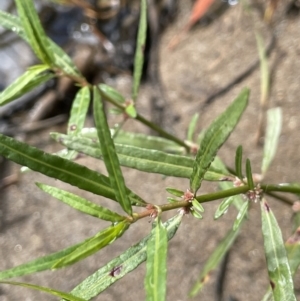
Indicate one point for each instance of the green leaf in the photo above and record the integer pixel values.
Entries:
(218, 164)
(274, 122)
(34, 31)
(110, 157)
(79, 110)
(213, 261)
(12, 22)
(140, 158)
(82, 204)
(238, 162)
(156, 273)
(60, 58)
(59, 168)
(50, 291)
(93, 244)
(238, 201)
(197, 206)
(37, 265)
(192, 126)
(171, 200)
(249, 175)
(122, 265)
(140, 49)
(33, 77)
(130, 110)
(138, 140)
(111, 94)
(241, 215)
(215, 136)
(292, 247)
(175, 192)
(78, 114)
(277, 261)
(223, 207)
(196, 214)
(63, 61)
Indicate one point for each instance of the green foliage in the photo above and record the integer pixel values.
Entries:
(156, 275)
(32, 78)
(140, 49)
(109, 153)
(277, 261)
(215, 136)
(56, 293)
(167, 155)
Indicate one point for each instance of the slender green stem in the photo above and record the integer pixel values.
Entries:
(82, 82)
(281, 187)
(223, 194)
(163, 133)
(201, 199)
(150, 124)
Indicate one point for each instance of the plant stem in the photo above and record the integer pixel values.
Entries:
(162, 132)
(224, 194)
(281, 187)
(149, 124)
(201, 199)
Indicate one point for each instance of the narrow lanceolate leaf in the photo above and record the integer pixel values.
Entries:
(140, 50)
(122, 265)
(213, 261)
(215, 136)
(140, 158)
(34, 31)
(130, 110)
(138, 140)
(238, 162)
(278, 266)
(292, 246)
(241, 215)
(79, 110)
(176, 192)
(197, 206)
(110, 157)
(223, 207)
(59, 168)
(12, 22)
(50, 291)
(156, 274)
(249, 174)
(37, 265)
(196, 214)
(26, 82)
(77, 118)
(238, 201)
(111, 94)
(82, 204)
(93, 244)
(192, 126)
(60, 58)
(274, 122)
